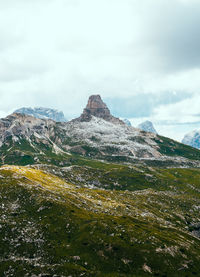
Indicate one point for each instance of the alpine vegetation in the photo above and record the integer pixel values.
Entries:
(96, 197)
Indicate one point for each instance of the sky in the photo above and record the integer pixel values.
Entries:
(142, 57)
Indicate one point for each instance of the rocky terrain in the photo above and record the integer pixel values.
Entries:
(97, 108)
(147, 126)
(96, 134)
(44, 113)
(95, 197)
(192, 139)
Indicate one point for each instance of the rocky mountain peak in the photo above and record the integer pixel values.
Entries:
(21, 126)
(43, 113)
(127, 122)
(96, 107)
(192, 139)
(147, 126)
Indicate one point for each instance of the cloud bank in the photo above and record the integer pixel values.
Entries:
(141, 56)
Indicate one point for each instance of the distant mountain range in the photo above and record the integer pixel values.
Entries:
(43, 113)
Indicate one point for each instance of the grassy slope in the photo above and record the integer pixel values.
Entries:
(51, 227)
(126, 177)
(172, 148)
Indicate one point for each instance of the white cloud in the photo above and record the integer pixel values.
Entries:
(181, 112)
(57, 52)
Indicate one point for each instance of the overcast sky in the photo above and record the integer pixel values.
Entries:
(141, 56)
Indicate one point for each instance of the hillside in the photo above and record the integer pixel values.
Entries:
(50, 227)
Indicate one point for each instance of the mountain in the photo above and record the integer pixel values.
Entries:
(98, 109)
(127, 122)
(44, 113)
(192, 139)
(95, 197)
(147, 126)
(96, 133)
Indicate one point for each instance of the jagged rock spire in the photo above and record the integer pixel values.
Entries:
(96, 107)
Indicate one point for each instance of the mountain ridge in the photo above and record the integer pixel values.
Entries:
(101, 137)
(43, 113)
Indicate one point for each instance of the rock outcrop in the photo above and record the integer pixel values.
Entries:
(96, 107)
(21, 126)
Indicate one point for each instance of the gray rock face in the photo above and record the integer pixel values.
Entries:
(107, 138)
(43, 113)
(19, 125)
(97, 108)
(192, 139)
(147, 126)
(127, 122)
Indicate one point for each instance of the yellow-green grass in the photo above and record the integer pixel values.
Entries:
(55, 228)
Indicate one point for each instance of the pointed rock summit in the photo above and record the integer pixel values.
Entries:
(96, 107)
(147, 126)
